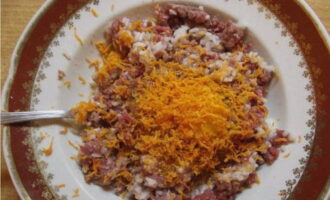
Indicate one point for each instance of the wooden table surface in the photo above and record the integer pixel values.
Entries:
(14, 17)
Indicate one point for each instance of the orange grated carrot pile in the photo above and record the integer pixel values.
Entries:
(197, 104)
(185, 120)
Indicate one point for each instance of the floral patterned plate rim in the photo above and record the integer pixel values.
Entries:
(291, 36)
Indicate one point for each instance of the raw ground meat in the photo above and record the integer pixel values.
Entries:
(175, 15)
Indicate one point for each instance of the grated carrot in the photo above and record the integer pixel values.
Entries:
(70, 26)
(286, 155)
(282, 193)
(49, 150)
(61, 185)
(67, 84)
(281, 140)
(73, 157)
(75, 193)
(73, 145)
(93, 63)
(123, 195)
(257, 179)
(82, 80)
(137, 26)
(77, 37)
(64, 131)
(93, 11)
(299, 139)
(42, 135)
(124, 40)
(66, 56)
(92, 85)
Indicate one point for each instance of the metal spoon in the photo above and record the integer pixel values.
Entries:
(15, 117)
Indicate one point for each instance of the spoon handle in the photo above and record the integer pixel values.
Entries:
(14, 117)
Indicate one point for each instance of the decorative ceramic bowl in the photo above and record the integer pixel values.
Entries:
(286, 33)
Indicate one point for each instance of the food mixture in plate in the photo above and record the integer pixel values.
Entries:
(178, 110)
